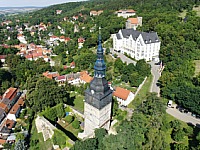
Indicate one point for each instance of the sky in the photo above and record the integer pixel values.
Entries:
(38, 3)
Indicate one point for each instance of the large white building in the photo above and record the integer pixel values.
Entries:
(137, 44)
(126, 13)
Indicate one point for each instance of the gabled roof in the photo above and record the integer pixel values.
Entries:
(10, 93)
(21, 102)
(3, 56)
(87, 78)
(121, 93)
(127, 11)
(14, 109)
(81, 40)
(63, 77)
(133, 20)
(3, 106)
(10, 123)
(2, 141)
(150, 37)
(50, 75)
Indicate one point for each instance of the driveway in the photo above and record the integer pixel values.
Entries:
(156, 75)
(154, 70)
(123, 57)
(185, 117)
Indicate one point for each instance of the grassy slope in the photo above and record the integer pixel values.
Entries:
(142, 93)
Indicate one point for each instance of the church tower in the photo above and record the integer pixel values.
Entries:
(98, 98)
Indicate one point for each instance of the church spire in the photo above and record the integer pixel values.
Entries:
(100, 66)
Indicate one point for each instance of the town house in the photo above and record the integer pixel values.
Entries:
(124, 96)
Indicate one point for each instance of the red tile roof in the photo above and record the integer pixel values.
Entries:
(28, 56)
(51, 75)
(133, 20)
(14, 109)
(72, 64)
(81, 40)
(121, 93)
(127, 11)
(21, 102)
(39, 54)
(10, 93)
(2, 141)
(10, 123)
(3, 106)
(61, 77)
(87, 78)
(3, 56)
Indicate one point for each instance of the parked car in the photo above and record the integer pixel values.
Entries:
(198, 116)
(186, 111)
(181, 109)
(194, 115)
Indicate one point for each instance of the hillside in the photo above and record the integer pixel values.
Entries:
(150, 127)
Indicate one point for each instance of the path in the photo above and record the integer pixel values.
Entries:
(156, 75)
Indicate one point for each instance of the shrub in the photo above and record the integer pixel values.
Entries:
(69, 118)
(75, 124)
(59, 138)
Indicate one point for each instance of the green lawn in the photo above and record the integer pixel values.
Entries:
(78, 101)
(69, 127)
(142, 93)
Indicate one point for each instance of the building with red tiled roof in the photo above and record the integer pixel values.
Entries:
(124, 96)
(2, 141)
(80, 42)
(133, 23)
(3, 58)
(10, 93)
(15, 110)
(10, 123)
(72, 64)
(61, 79)
(51, 75)
(95, 13)
(126, 13)
(3, 106)
(85, 78)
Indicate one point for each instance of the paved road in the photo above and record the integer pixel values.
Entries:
(183, 116)
(154, 71)
(123, 57)
(156, 75)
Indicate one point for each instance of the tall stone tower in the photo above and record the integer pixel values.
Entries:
(98, 98)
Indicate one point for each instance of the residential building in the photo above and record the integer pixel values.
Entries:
(51, 75)
(85, 78)
(80, 42)
(3, 58)
(58, 12)
(95, 13)
(124, 96)
(61, 79)
(133, 23)
(126, 13)
(137, 44)
(2, 114)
